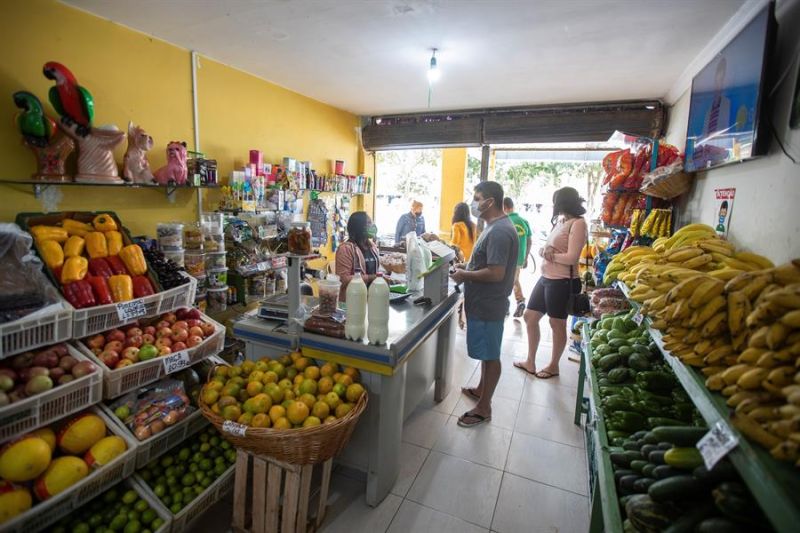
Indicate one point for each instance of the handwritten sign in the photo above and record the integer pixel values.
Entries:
(177, 361)
(716, 444)
(234, 428)
(127, 311)
(279, 262)
(638, 318)
(264, 265)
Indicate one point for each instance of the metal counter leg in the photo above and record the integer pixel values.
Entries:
(444, 358)
(386, 431)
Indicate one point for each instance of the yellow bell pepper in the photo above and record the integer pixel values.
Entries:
(52, 253)
(113, 242)
(121, 287)
(96, 245)
(49, 233)
(75, 269)
(133, 257)
(74, 246)
(74, 227)
(104, 222)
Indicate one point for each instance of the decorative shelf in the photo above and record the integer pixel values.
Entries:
(40, 186)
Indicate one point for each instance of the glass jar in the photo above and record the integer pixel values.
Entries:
(300, 238)
(192, 236)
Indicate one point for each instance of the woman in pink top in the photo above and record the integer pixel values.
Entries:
(559, 279)
(357, 252)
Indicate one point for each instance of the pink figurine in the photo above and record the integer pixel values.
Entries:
(175, 170)
(135, 166)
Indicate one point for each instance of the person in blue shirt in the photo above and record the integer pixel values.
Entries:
(411, 221)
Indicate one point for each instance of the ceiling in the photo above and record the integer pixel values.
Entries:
(370, 56)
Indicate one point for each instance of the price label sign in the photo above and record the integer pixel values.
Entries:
(264, 265)
(279, 262)
(127, 311)
(234, 428)
(716, 444)
(638, 318)
(176, 361)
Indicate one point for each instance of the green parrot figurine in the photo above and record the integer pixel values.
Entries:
(37, 128)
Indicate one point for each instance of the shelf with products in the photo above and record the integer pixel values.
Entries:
(775, 485)
(40, 186)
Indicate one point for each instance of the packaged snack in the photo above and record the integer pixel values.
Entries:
(217, 277)
(170, 235)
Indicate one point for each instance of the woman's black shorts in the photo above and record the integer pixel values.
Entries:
(550, 296)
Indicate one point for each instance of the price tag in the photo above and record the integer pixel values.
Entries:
(716, 444)
(127, 311)
(279, 262)
(176, 361)
(638, 318)
(234, 428)
(264, 265)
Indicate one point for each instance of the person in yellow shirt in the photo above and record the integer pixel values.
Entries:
(464, 230)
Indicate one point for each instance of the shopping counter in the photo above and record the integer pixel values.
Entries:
(397, 375)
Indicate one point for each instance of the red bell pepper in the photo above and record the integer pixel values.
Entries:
(99, 267)
(116, 264)
(102, 293)
(142, 286)
(79, 294)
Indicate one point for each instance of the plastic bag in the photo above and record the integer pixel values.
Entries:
(414, 263)
(154, 408)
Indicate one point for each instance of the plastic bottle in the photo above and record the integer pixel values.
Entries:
(355, 326)
(378, 311)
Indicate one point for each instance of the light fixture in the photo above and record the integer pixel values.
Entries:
(433, 71)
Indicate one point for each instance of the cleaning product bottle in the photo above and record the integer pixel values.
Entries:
(355, 326)
(378, 311)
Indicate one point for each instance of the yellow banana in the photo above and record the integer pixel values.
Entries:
(697, 262)
(767, 360)
(776, 335)
(680, 255)
(712, 247)
(711, 370)
(787, 273)
(715, 382)
(758, 284)
(739, 282)
(738, 307)
(791, 319)
(759, 338)
(764, 313)
(786, 297)
(751, 356)
(704, 292)
(703, 347)
(684, 289)
(690, 237)
(759, 260)
(732, 262)
(781, 376)
(710, 309)
(753, 430)
(718, 354)
(787, 450)
(715, 325)
(752, 378)
(725, 274)
(740, 396)
(692, 337)
(739, 342)
(732, 374)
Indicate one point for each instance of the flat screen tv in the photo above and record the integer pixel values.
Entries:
(725, 110)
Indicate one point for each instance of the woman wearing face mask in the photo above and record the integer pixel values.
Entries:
(559, 279)
(357, 252)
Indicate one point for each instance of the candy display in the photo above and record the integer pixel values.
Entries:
(300, 238)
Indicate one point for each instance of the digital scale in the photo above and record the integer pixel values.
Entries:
(276, 307)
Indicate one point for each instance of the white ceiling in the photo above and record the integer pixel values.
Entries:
(370, 56)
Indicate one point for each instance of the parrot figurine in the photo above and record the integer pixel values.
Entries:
(73, 102)
(37, 128)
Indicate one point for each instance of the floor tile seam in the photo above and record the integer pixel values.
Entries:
(446, 513)
(549, 440)
(497, 501)
(546, 484)
(469, 460)
(396, 512)
(425, 460)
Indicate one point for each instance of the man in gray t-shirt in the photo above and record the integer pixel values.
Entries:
(488, 280)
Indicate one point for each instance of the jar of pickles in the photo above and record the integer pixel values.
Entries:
(300, 238)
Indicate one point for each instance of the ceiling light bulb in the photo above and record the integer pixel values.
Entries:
(433, 71)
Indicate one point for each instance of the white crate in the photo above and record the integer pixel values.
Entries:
(102, 318)
(118, 382)
(29, 333)
(45, 513)
(157, 445)
(34, 412)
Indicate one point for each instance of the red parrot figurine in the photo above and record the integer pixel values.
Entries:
(73, 102)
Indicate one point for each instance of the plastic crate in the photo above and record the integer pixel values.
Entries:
(34, 412)
(102, 318)
(187, 516)
(45, 513)
(29, 333)
(157, 445)
(118, 382)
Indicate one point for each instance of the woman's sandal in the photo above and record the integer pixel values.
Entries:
(545, 374)
(477, 419)
(471, 393)
(521, 365)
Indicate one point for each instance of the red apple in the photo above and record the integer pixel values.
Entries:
(83, 368)
(208, 328)
(164, 332)
(66, 378)
(117, 346)
(181, 313)
(163, 324)
(133, 332)
(169, 317)
(22, 360)
(193, 341)
(136, 340)
(180, 324)
(60, 349)
(192, 313)
(67, 362)
(192, 322)
(97, 351)
(115, 335)
(164, 350)
(47, 358)
(180, 335)
(109, 358)
(163, 341)
(38, 371)
(123, 363)
(56, 373)
(96, 341)
(148, 338)
(132, 353)
(149, 330)
(197, 331)
(178, 346)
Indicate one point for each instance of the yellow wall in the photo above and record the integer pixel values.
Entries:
(454, 169)
(135, 77)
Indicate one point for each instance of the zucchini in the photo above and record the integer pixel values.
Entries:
(650, 438)
(717, 525)
(617, 343)
(625, 351)
(648, 469)
(679, 435)
(665, 446)
(684, 458)
(621, 473)
(656, 457)
(640, 434)
(607, 362)
(643, 484)
(626, 482)
(617, 434)
(616, 402)
(620, 459)
(647, 448)
(665, 471)
(638, 465)
(656, 421)
(634, 455)
(655, 381)
(638, 361)
(675, 488)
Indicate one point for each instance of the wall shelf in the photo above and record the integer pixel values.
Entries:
(40, 186)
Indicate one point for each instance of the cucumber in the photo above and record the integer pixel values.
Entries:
(638, 361)
(679, 435)
(627, 482)
(665, 471)
(684, 458)
(617, 434)
(631, 445)
(617, 375)
(722, 471)
(640, 434)
(638, 465)
(634, 455)
(647, 448)
(607, 362)
(642, 485)
(717, 525)
(650, 438)
(625, 351)
(621, 473)
(675, 488)
(665, 446)
(656, 457)
(620, 459)
(648, 470)
(659, 421)
(617, 343)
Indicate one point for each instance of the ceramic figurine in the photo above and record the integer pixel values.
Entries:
(73, 102)
(175, 170)
(40, 133)
(95, 152)
(135, 167)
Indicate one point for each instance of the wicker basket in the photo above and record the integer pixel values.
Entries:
(670, 186)
(308, 445)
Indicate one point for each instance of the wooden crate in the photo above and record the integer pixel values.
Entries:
(270, 496)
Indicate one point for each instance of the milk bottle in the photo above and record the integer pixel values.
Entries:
(378, 311)
(355, 326)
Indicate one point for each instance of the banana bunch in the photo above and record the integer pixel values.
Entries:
(627, 259)
(657, 224)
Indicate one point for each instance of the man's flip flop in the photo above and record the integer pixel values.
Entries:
(471, 393)
(518, 364)
(544, 374)
(478, 419)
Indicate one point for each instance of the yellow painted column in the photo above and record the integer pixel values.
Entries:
(454, 169)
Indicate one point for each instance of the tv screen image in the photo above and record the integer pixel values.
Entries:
(725, 105)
